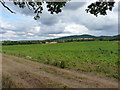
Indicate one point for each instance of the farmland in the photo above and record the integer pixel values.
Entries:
(100, 57)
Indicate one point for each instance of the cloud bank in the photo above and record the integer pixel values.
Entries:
(72, 21)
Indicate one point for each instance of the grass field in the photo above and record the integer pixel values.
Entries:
(94, 56)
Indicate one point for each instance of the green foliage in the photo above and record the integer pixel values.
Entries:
(95, 56)
(74, 38)
(100, 7)
(54, 6)
(37, 6)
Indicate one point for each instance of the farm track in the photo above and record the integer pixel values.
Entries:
(28, 74)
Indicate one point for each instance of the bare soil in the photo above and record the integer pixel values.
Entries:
(29, 74)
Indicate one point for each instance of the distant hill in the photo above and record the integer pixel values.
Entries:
(117, 36)
(75, 37)
(86, 36)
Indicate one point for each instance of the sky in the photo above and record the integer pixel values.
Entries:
(73, 20)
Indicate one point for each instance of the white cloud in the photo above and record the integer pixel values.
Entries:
(59, 35)
(37, 29)
(9, 34)
(31, 34)
(76, 29)
(6, 25)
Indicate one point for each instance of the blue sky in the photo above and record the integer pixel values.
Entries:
(72, 21)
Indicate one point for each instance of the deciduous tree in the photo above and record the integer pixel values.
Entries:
(55, 6)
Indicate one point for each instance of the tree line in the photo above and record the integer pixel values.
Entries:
(117, 38)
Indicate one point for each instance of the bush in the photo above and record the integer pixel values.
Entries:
(62, 64)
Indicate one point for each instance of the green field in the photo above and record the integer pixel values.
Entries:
(93, 56)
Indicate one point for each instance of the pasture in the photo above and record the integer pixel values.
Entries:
(100, 57)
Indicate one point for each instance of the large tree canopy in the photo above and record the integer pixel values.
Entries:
(55, 6)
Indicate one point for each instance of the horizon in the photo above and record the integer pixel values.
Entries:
(58, 38)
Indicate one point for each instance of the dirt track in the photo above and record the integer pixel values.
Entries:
(29, 74)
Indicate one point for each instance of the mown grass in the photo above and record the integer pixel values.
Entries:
(94, 56)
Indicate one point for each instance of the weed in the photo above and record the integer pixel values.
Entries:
(7, 82)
